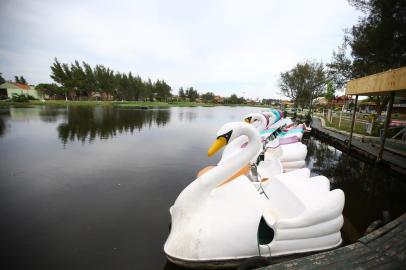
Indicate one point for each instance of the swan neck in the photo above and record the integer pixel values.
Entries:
(236, 161)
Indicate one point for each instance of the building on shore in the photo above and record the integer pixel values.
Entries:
(399, 105)
(340, 101)
(218, 99)
(7, 90)
(287, 103)
(104, 96)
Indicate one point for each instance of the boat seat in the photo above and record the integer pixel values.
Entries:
(303, 202)
(282, 201)
(269, 168)
(287, 152)
(293, 165)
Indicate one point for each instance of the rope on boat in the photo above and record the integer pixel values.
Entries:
(254, 170)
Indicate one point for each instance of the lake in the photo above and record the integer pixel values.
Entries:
(90, 188)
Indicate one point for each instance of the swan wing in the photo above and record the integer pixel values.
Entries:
(231, 217)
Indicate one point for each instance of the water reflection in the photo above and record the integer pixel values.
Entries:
(87, 124)
(50, 114)
(4, 113)
(185, 114)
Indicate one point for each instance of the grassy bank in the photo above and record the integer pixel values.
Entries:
(161, 104)
(127, 104)
(359, 128)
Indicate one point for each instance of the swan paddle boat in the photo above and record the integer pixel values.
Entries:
(286, 146)
(291, 132)
(273, 114)
(290, 151)
(268, 128)
(220, 218)
(260, 122)
(284, 122)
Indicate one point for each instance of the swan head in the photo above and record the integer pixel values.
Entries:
(258, 120)
(271, 116)
(276, 115)
(226, 134)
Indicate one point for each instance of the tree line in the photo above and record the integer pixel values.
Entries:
(17, 79)
(376, 43)
(191, 94)
(80, 80)
(20, 79)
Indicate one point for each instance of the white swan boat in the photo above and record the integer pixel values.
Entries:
(292, 155)
(218, 220)
(287, 147)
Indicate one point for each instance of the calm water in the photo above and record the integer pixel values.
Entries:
(90, 188)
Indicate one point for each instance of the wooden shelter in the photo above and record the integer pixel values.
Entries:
(391, 82)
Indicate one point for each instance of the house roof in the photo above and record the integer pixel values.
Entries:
(343, 97)
(22, 86)
(15, 85)
(320, 101)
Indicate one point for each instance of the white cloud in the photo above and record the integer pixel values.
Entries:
(231, 46)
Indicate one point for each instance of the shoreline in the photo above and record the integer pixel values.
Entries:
(123, 104)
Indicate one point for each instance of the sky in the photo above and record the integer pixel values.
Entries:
(221, 46)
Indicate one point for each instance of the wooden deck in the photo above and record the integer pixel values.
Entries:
(384, 248)
(363, 150)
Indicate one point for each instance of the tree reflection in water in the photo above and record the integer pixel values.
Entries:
(87, 124)
(369, 189)
(185, 114)
(4, 113)
(50, 113)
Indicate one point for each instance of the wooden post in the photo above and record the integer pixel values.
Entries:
(353, 121)
(341, 115)
(385, 129)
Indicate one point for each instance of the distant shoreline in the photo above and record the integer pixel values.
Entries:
(123, 104)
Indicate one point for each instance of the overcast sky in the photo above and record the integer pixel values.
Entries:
(221, 46)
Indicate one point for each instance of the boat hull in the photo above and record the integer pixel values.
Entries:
(231, 263)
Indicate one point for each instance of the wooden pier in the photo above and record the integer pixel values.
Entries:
(384, 248)
(365, 151)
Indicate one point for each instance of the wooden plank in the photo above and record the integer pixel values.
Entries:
(388, 236)
(385, 128)
(326, 258)
(356, 256)
(380, 83)
(394, 248)
(353, 122)
(383, 230)
(397, 251)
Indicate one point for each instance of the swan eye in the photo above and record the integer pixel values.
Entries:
(227, 135)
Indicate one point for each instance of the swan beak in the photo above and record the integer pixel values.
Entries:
(248, 119)
(217, 145)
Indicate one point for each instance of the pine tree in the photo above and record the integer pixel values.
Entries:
(378, 41)
(2, 80)
(22, 80)
(181, 94)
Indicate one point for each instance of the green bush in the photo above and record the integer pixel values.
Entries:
(19, 98)
(31, 97)
(308, 119)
